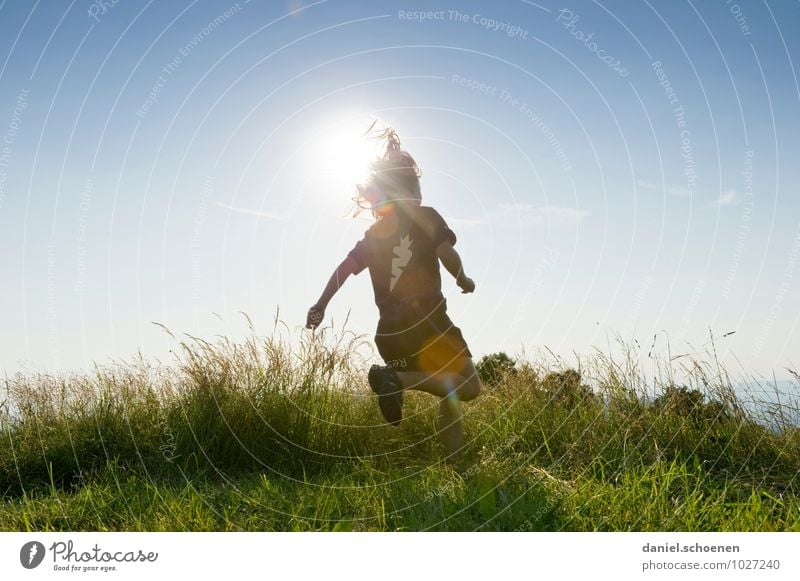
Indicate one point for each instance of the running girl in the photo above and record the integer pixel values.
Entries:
(420, 345)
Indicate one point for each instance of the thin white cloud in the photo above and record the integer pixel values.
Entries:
(530, 213)
(249, 212)
(671, 190)
(466, 222)
(729, 198)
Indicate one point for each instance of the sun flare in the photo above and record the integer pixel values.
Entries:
(346, 152)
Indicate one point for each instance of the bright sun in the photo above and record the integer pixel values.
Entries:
(345, 153)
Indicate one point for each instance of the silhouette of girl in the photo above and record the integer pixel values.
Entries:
(420, 345)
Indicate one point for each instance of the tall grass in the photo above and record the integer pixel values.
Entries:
(266, 434)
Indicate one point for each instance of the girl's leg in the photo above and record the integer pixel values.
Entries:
(451, 429)
(466, 385)
(452, 388)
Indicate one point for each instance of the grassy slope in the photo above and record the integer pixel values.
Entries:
(254, 436)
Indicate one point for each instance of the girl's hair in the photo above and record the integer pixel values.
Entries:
(393, 177)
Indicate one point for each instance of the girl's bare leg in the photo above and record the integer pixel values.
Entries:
(466, 385)
(452, 389)
(451, 428)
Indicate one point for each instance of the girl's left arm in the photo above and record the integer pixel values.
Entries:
(452, 262)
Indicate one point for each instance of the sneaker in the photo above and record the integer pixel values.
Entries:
(385, 383)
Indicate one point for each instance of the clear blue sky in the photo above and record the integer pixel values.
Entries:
(610, 168)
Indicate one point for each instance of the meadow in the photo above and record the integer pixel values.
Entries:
(267, 434)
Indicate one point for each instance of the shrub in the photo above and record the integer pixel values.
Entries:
(565, 388)
(493, 368)
(690, 403)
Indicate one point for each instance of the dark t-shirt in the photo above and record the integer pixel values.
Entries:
(401, 257)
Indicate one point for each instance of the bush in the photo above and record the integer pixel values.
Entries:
(492, 369)
(690, 403)
(565, 388)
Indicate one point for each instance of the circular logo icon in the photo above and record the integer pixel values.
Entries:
(31, 554)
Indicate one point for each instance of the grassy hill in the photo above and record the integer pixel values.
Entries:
(260, 435)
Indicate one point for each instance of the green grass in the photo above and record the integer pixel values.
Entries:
(263, 436)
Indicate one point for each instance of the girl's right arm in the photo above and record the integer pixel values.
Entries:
(317, 312)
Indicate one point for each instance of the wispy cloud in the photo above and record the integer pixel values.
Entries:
(729, 198)
(249, 212)
(671, 190)
(532, 214)
(466, 222)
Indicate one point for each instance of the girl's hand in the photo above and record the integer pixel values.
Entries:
(315, 316)
(466, 284)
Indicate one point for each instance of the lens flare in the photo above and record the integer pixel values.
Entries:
(346, 152)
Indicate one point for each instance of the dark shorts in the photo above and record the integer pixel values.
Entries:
(417, 338)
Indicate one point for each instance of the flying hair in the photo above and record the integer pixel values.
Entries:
(393, 178)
